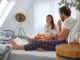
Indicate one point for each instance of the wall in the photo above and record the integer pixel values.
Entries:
(23, 6)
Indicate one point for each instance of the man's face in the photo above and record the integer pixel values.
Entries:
(62, 16)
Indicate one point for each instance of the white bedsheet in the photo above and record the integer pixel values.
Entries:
(32, 55)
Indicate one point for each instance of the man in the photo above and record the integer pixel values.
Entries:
(69, 22)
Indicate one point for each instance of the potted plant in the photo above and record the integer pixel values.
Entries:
(71, 3)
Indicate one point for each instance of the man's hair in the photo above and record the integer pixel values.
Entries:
(66, 10)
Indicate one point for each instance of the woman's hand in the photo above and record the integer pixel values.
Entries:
(51, 33)
(56, 35)
(47, 38)
(48, 24)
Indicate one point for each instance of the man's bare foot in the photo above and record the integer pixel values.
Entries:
(15, 46)
(41, 49)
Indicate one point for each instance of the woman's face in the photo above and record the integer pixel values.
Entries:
(49, 19)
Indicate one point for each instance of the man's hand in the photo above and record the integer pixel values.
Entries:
(59, 24)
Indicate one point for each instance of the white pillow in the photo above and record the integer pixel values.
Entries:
(71, 37)
(77, 37)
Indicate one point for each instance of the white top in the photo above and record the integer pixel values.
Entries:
(69, 23)
(48, 30)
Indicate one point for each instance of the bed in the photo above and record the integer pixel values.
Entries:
(31, 55)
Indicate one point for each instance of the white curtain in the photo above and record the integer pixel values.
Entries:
(41, 9)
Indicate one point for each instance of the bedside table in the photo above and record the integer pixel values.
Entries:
(68, 52)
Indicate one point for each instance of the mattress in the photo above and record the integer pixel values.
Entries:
(31, 55)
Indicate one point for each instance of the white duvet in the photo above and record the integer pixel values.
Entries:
(32, 55)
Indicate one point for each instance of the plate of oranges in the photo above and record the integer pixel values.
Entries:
(40, 36)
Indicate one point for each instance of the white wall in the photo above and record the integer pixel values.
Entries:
(23, 6)
(0, 1)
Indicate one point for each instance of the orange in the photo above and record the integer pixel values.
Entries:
(38, 34)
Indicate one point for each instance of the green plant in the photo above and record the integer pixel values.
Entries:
(71, 3)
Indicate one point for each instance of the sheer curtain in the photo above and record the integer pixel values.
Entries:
(41, 9)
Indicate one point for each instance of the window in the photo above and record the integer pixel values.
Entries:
(5, 8)
(0, 1)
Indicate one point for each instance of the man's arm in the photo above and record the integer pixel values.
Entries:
(63, 34)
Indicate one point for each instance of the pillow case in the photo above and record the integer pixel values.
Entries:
(77, 37)
(71, 37)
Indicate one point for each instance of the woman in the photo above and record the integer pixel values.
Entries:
(50, 27)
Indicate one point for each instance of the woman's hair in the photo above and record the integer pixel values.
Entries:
(52, 22)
